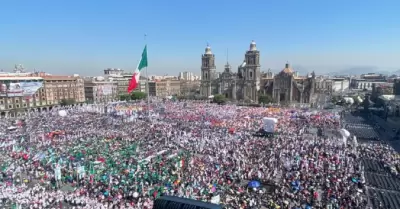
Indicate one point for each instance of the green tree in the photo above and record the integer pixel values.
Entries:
(265, 99)
(219, 98)
(124, 97)
(137, 95)
(65, 102)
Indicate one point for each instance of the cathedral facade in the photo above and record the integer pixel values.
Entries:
(248, 83)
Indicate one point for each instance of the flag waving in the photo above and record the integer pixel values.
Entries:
(136, 75)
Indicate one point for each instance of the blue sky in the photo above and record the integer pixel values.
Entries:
(86, 36)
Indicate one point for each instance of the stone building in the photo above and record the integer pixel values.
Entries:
(243, 85)
(247, 83)
(59, 88)
(167, 87)
(287, 87)
(100, 90)
(123, 79)
(18, 95)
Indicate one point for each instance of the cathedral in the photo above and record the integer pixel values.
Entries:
(248, 83)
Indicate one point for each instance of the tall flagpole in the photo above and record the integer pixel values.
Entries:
(147, 76)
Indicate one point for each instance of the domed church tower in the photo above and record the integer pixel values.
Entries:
(252, 73)
(207, 72)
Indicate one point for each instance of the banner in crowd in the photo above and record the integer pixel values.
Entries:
(269, 124)
(130, 108)
(273, 110)
(24, 88)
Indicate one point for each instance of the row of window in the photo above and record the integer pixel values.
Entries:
(11, 106)
(18, 100)
(64, 81)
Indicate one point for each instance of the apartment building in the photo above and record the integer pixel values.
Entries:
(323, 85)
(19, 93)
(188, 76)
(60, 88)
(189, 87)
(122, 79)
(167, 87)
(100, 89)
(366, 81)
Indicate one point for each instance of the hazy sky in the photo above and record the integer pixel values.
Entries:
(86, 36)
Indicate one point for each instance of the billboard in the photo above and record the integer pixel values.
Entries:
(20, 89)
(104, 90)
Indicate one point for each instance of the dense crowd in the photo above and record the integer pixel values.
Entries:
(207, 152)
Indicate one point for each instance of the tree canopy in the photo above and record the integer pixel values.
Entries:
(137, 95)
(219, 98)
(265, 99)
(124, 97)
(65, 102)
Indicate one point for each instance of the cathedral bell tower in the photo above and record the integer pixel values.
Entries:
(207, 72)
(252, 72)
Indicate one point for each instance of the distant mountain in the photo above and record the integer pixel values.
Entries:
(301, 70)
(358, 70)
(397, 72)
(342, 70)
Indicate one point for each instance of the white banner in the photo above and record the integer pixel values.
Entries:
(269, 124)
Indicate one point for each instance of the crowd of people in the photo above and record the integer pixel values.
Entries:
(87, 159)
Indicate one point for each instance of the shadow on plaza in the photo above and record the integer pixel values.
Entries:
(383, 186)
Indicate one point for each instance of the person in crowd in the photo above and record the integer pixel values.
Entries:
(85, 157)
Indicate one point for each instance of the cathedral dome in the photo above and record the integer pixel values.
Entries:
(253, 46)
(287, 69)
(208, 50)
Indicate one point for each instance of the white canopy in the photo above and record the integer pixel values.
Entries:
(62, 113)
(345, 133)
(11, 128)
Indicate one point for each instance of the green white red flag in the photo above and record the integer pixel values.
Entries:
(133, 83)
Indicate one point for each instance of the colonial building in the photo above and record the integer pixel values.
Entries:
(189, 88)
(123, 79)
(59, 88)
(248, 83)
(287, 87)
(100, 90)
(167, 87)
(21, 93)
(208, 73)
(243, 85)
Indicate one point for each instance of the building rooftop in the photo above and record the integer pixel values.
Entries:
(9, 78)
(59, 77)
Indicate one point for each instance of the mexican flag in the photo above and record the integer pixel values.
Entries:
(136, 75)
(180, 163)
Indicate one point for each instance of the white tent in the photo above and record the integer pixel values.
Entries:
(62, 113)
(345, 134)
(12, 128)
(348, 100)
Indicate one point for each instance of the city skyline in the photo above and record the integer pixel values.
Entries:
(87, 37)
